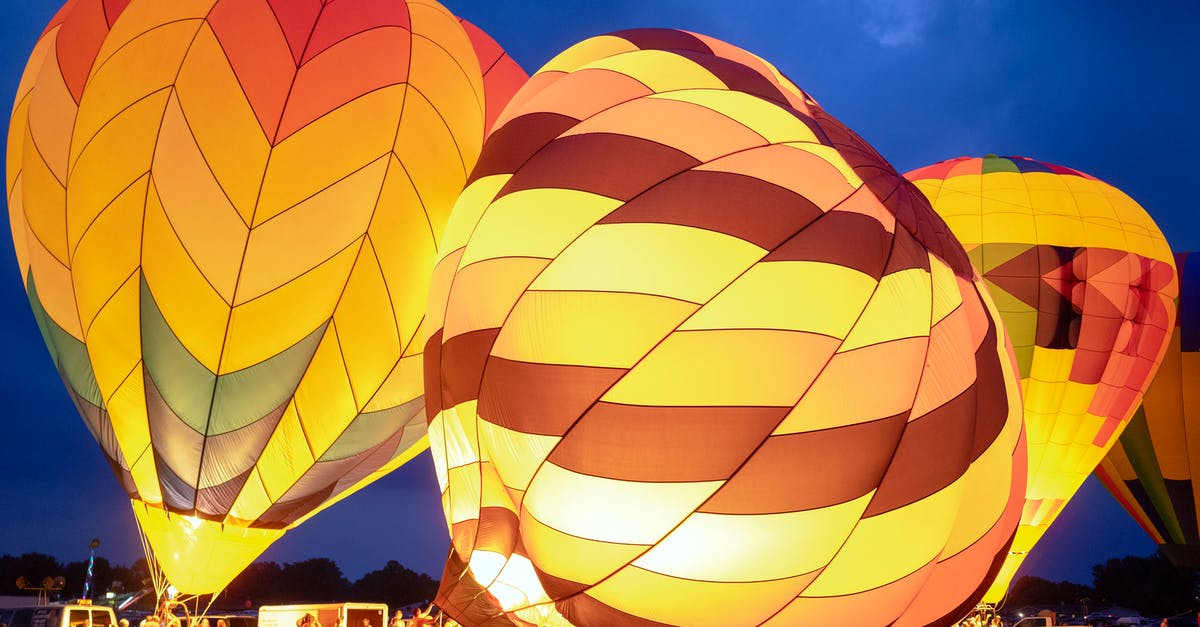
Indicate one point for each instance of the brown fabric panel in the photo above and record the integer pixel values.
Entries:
(1055, 317)
(608, 164)
(582, 609)
(843, 238)
(463, 358)
(934, 451)
(1025, 265)
(464, 600)
(283, 513)
(741, 78)
(907, 253)
(1024, 288)
(497, 530)
(544, 399)
(432, 371)
(557, 587)
(636, 443)
(513, 144)
(804, 471)
(663, 39)
(214, 503)
(742, 206)
(991, 395)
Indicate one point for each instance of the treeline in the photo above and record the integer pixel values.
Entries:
(316, 580)
(1151, 585)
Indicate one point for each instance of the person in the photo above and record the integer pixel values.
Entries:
(222, 623)
(397, 619)
(124, 622)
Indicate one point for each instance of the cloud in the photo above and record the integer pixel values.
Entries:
(898, 23)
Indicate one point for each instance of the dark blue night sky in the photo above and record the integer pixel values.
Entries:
(1104, 87)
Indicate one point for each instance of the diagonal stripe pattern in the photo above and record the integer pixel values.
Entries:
(701, 357)
(228, 213)
(1085, 283)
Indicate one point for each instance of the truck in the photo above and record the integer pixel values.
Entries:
(1035, 621)
(77, 614)
(326, 615)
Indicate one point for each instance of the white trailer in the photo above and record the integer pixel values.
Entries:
(327, 614)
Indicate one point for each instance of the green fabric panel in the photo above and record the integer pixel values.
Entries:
(185, 384)
(1140, 450)
(994, 255)
(369, 429)
(251, 393)
(998, 164)
(69, 354)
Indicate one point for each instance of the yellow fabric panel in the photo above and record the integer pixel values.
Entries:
(307, 234)
(769, 120)
(50, 116)
(200, 555)
(1078, 397)
(695, 603)
(660, 70)
(127, 411)
(223, 123)
(145, 16)
(44, 198)
(42, 49)
(948, 290)
(516, 584)
(491, 489)
(573, 558)
(1050, 365)
(121, 351)
(441, 69)
(483, 294)
(530, 223)
(738, 367)
(109, 253)
(586, 51)
(899, 308)
(603, 329)
(463, 493)
(324, 399)
(872, 557)
(1009, 227)
(781, 295)
(307, 162)
(758, 547)
(967, 227)
(53, 281)
(20, 231)
(404, 383)
(457, 436)
(665, 259)
(257, 331)
(849, 391)
(995, 593)
(286, 456)
(988, 484)
(437, 167)
(197, 314)
(468, 210)
(251, 502)
(405, 248)
(611, 510)
(366, 327)
(516, 455)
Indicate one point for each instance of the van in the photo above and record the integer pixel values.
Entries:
(62, 615)
(327, 614)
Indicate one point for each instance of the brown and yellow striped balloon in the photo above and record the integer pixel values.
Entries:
(228, 248)
(701, 357)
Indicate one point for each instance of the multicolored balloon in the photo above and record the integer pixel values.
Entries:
(1152, 468)
(1086, 284)
(700, 357)
(502, 76)
(233, 284)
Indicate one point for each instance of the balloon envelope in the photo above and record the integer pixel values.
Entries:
(1085, 283)
(701, 357)
(1153, 467)
(232, 269)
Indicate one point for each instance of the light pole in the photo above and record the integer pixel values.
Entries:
(87, 580)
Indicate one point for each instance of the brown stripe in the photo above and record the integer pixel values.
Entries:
(934, 451)
(557, 587)
(214, 502)
(544, 399)
(992, 392)
(497, 530)
(635, 443)
(513, 144)
(843, 238)
(1055, 316)
(283, 513)
(432, 371)
(804, 471)
(462, 360)
(742, 206)
(907, 253)
(608, 164)
(582, 609)
(662, 39)
(739, 77)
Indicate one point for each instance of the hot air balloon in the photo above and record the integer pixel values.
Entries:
(694, 362)
(502, 75)
(1150, 468)
(228, 250)
(1086, 284)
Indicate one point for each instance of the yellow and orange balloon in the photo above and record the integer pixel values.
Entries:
(1085, 283)
(701, 357)
(226, 213)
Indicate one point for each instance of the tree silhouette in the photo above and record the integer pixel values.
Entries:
(395, 585)
(1151, 585)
